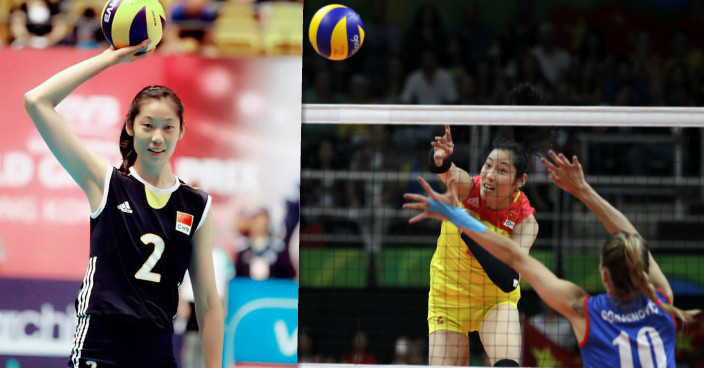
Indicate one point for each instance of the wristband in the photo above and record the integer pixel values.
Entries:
(435, 169)
(456, 215)
(659, 302)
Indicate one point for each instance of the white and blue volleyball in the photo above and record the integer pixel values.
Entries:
(129, 22)
(336, 32)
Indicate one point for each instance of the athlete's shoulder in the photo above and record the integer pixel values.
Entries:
(192, 190)
(118, 176)
(522, 204)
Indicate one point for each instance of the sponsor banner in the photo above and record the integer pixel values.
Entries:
(37, 321)
(262, 322)
(242, 145)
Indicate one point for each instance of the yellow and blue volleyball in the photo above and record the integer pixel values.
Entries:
(129, 22)
(336, 32)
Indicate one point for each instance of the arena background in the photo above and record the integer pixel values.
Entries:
(240, 86)
(365, 272)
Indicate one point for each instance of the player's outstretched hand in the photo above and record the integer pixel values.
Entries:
(421, 202)
(128, 54)
(443, 146)
(567, 175)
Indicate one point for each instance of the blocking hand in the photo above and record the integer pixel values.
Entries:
(422, 202)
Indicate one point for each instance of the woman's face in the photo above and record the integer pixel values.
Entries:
(156, 130)
(497, 179)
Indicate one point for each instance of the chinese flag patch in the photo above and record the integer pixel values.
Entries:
(184, 221)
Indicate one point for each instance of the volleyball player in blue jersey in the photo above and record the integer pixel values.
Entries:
(147, 227)
(633, 323)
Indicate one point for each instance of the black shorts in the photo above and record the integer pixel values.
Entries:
(115, 342)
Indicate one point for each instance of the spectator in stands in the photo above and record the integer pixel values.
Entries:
(592, 49)
(530, 72)
(322, 91)
(392, 81)
(306, 346)
(401, 351)
(261, 255)
(553, 60)
(678, 89)
(520, 35)
(375, 155)
(327, 192)
(377, 49)
(682, 52)
(425, 34)
(358, 353)
(189, 29)
(467, 91)
(38, 24)
(456, 61)
(624, 88)
(86, 31)
(554, 326)
(474, 35)
(360, 87)
(429, 85)
(588, 89)
(645, 64)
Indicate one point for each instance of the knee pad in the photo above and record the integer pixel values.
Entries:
(506, 363)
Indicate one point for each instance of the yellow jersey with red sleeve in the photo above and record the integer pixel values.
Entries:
(461, 294)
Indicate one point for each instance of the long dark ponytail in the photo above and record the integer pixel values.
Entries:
(630, 250)
(129, 156)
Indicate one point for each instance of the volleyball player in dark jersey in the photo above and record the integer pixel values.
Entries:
(147, 227)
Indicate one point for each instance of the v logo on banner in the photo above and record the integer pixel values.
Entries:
(288, 344)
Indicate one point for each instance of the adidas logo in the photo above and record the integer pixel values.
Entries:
(124, 207)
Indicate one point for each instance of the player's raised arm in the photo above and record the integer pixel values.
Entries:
(439, 163)
(86, 169)
(562, 295)
(569, 176)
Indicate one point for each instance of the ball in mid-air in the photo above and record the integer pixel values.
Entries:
(129, 22)
(336, 32)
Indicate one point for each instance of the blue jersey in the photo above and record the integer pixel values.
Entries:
(140, 248)
(634, 332)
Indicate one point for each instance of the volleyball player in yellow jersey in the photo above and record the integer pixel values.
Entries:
(471, 290)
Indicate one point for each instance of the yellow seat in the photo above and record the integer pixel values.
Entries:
(235, 38)
(283, 28)
(286, 11)
(236, 11)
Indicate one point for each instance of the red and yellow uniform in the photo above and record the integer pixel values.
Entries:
(461, 293)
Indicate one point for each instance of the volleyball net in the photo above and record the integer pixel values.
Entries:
(365, 272)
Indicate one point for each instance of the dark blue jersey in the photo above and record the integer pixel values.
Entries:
(635, 333)
(140, 248)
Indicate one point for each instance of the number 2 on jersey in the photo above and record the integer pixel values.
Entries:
(145, 272)
(644, 348)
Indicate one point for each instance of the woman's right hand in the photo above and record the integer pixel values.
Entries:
(443, 147)
(127, 54)
(567, 175)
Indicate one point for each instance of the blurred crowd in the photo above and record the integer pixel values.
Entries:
(452, 53)
(467, 61)
(406, 350)
(207, 27)
(354, 176)
(549, 333)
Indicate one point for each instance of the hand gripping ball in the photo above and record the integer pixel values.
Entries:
(336, 32)
(129, 22)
